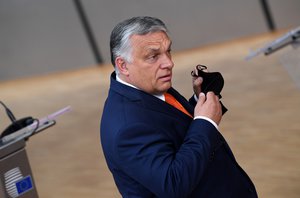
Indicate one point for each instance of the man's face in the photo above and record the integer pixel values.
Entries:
(150, 68)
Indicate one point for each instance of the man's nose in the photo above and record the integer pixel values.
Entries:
(167, 62)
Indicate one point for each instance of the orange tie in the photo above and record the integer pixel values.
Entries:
(172, 101)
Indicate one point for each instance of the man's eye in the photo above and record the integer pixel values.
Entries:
(154, 56)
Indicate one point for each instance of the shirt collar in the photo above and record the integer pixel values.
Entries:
(161, 97)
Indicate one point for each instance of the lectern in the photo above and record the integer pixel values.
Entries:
(290, 59)
(15, 172)
(16, 179)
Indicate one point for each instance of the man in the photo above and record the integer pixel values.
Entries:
(152, 148)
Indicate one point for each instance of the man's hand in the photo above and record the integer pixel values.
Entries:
(197, 81)
(209, 106)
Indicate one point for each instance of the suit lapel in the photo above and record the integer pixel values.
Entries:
(151, 102)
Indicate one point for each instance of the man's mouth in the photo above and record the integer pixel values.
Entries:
(166, 78)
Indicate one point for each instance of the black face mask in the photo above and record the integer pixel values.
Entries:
(212, 81)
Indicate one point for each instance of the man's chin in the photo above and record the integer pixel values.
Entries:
(166, 86)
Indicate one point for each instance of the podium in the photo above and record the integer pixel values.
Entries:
(290, 59)
(16, 179)
(15, 173)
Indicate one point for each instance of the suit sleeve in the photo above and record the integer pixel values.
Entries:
(150, 158)
(192, 101)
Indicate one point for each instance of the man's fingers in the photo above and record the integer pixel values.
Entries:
(212, 95)
(201, 98)
(198, 81)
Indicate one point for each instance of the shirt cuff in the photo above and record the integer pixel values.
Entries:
(208, 119)
(196, 98)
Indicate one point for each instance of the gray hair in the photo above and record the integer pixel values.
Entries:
(120, 36)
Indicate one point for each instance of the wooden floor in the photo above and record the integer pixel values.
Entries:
(262, 124)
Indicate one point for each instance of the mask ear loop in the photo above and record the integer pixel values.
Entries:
(199, 68)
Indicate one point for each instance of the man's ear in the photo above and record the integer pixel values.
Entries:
(121, 64)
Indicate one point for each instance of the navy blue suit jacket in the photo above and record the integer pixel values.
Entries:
(154, 150)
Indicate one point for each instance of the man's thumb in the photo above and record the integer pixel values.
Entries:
(201, 98)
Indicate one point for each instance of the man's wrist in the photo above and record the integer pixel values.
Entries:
(208, 119)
